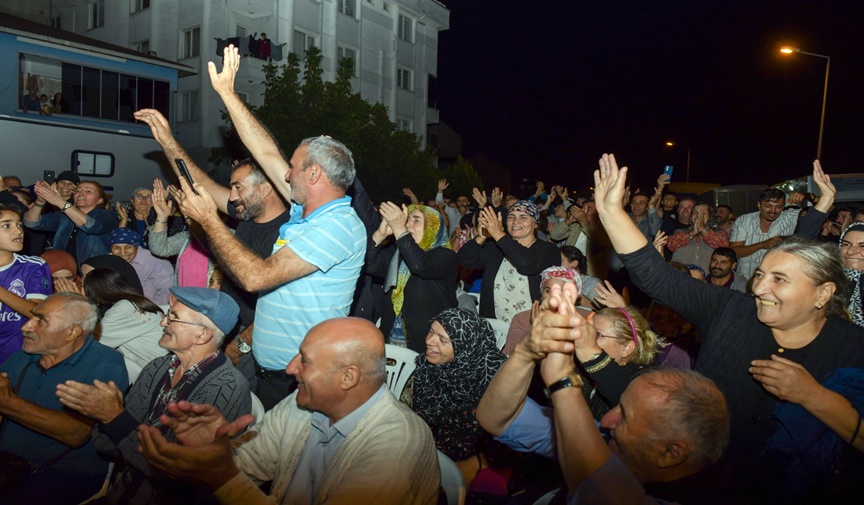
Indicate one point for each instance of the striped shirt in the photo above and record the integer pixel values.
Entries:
(747, 230)
(333, 239)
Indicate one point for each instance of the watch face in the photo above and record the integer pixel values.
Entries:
(243, 346)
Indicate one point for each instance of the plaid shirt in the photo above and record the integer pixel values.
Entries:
(168, 394)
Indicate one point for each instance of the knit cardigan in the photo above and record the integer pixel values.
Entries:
(389, 457)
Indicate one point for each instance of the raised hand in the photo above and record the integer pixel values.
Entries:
(48, 193)
(826, 188)
(200, 208)
(605, 294)
(610, 185)
(223, 82)
(121, 212)
(491, 222)
(395, 216)
(164, 208)
(66, 286)
(442, 185)
(159, 126)
(497, 197)
(410, 194)
(660, 241)
(479, 197)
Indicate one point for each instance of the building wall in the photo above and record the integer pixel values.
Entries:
(372, 32)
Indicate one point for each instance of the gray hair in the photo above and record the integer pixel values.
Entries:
(79, 311)
(371, 362)
(821, 264)
(695, 409)
(136, 190)
(218, 335)
(333, 157)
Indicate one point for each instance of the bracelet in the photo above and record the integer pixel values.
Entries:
(857, 430)
(599, 366)
(38, 205)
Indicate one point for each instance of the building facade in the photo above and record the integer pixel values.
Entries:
(394, 44)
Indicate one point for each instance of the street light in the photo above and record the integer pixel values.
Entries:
(790, 50)
(675, 144)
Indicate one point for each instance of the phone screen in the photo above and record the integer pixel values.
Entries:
(184, 172)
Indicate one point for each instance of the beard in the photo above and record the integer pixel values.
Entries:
(252, 208)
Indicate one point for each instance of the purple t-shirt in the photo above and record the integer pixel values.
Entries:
(29, 278)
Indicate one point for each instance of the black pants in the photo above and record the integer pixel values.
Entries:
(273, 386)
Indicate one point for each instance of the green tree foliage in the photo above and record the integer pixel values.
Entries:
(299, 104)
(462, 179)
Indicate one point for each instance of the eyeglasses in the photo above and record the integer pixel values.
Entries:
(149, 198)
(175, 320)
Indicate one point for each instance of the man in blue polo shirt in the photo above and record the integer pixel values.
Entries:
(58, 346)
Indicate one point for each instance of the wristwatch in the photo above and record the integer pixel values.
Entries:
(572, 380)
(66, 206)
(242, 345)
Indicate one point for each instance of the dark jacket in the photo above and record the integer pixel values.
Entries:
(430, 289)
(529, 261)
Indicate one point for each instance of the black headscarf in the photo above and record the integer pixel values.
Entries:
(121, 266)
(855, 279)
(440, 389)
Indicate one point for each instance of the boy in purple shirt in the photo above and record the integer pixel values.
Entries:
(23, 279)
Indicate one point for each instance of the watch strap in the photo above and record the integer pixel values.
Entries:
(571, 380)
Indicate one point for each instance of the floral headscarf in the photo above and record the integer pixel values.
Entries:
(434, 235)
(855, 278)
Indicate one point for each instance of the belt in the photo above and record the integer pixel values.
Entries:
(269, 374)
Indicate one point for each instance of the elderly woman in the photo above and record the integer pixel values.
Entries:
(778, 356)
(852, 256)
(419, 269)
(511, 263)
(451, 376)
(156, 275)
(62, 266)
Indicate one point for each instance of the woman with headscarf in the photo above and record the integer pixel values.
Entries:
(460, 359)
(62, 266)
(852, 256)
(115, 263)
(156, 275)
(512, 264)
(419, 270)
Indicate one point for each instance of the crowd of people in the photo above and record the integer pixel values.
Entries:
(637, 348)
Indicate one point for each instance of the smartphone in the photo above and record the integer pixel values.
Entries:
(667, 170)
(184, 172)
(48, 176)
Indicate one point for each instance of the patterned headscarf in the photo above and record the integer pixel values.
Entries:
(440, 389)
(563, 273)
(434, 235)
(855, 279)
(124, 236)
(527, 207)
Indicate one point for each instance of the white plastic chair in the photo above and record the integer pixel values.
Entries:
(400, 366)
(104, 489)
(451, 480)
(257, 409)
(546, 499)
(501, 328)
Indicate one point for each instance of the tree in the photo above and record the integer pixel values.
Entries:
(462, 179)
(299, 104)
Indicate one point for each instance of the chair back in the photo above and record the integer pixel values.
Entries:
(400, 366)
(257, 409)
(451, 480)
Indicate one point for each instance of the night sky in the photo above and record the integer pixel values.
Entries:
(544, 88)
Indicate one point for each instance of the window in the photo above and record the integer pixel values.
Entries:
(191, 43)
(406, 28)
(190, 106)
(93, 163)
(346, 7)
(405, 79)
(140, 5)
(55, 22)
(97, 14)
(94, 92)
(404, 125)
(302, 42)
(344, 52)
(142, 47)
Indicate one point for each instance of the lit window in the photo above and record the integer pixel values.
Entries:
(191, 43)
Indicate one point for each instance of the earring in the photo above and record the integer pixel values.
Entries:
(818, 305)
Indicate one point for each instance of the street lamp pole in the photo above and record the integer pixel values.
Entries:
(674, 144)
(790, 50)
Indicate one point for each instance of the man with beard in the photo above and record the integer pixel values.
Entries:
(756, 232)
(724, 218)
(723, 262)
(251, 198)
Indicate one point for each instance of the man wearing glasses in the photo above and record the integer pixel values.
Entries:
(196, 370)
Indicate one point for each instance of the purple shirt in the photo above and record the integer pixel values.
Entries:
(156, 275)
(29, 278)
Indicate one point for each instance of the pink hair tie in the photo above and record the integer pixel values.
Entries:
(632, 324)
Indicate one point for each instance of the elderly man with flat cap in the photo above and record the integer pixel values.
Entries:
(340, 438)
(196, 370)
